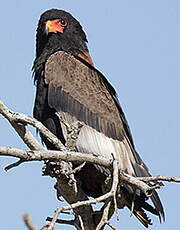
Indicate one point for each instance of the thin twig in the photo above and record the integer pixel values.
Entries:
(111, 225)
(76, 205)
(81, 222)
(45, 226)
(21, 129)
(28, 222)
(60, 221)
(115, 184)
(133, 200)
(15, 164)
(77, 169)
(159, 178)
(112, 193)
(145, 188)
(105, 215)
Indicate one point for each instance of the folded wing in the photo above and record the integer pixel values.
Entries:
(79, 92)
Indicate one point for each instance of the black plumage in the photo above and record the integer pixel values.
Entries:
(70, 87)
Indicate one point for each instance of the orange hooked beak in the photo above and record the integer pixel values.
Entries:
(53, 26)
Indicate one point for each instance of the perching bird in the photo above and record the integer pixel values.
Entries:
(69, 89)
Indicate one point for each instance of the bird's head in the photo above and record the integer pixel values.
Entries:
(59, 30)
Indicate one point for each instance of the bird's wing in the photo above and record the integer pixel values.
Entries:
(79, 92)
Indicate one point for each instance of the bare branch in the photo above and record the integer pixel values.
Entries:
(72, 192)
(15, 164)
(19, 122)
(146, 189)
(45, 226)
(138, 182)
(21, 129)
(28, 222)
(29, 155)
(112, 193)
(105, 215)
(78, 168)
(111, 226)
(159, 178)
(70, 222)
(115, 183)
(31, 142)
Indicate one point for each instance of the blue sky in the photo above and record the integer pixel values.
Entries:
(136, 44)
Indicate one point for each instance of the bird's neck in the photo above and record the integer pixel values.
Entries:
(54, 43)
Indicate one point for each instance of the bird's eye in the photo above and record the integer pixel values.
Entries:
(63, 22)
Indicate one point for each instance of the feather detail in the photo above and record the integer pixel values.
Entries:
(70, 89)
(92, 141)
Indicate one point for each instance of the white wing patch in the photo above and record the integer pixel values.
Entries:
(94, 142)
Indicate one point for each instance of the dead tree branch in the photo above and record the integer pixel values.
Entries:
(33, 155)
(28, 222)
(67, 191)
(29, 155)
(159, 178)
(112, 193)
(19, 122)
(61, 162)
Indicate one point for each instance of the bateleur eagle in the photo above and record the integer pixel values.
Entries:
(69, 89)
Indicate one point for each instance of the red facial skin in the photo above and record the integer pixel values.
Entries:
(54, 26)
(58, 25)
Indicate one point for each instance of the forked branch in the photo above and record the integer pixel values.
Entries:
(71, 192)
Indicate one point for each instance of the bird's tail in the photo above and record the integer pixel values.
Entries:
(134, 166)
(137, 205)
(142, 217)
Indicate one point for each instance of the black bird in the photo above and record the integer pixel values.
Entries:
(71, 88)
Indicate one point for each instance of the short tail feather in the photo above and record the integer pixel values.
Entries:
(140, 206)
(142, 217)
